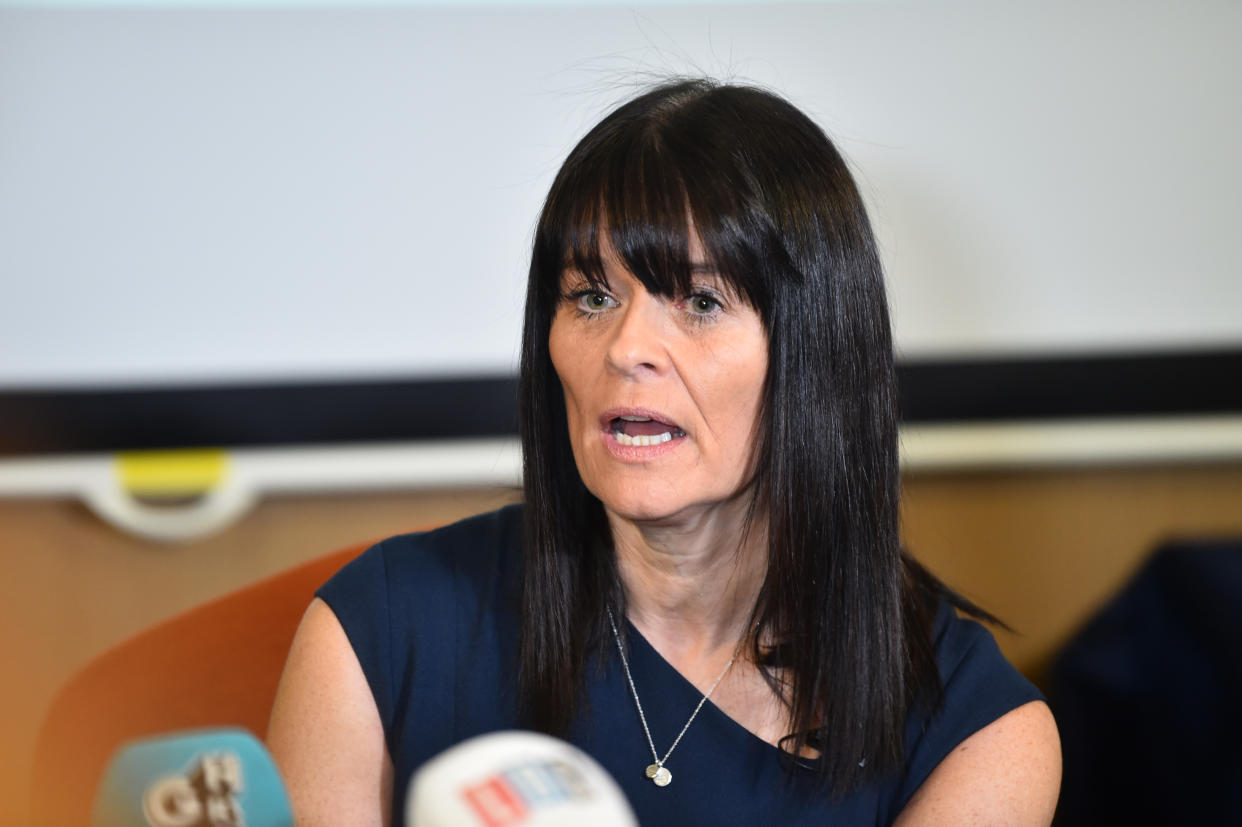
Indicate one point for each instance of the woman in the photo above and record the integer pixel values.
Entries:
(704, 588)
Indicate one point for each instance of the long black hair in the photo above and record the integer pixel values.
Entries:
(782, 222)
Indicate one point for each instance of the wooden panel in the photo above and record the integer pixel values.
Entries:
(1042, 549)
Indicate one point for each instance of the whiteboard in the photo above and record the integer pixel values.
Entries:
(225, 193)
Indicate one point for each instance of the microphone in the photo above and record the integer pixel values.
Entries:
(204, 778)
(507, 779)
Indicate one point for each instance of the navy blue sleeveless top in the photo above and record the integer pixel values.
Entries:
(433, 619)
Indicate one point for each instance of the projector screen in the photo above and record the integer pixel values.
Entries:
(267, 198)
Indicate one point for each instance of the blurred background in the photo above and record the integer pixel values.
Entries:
(262, 268)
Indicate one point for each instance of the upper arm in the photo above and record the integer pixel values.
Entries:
(1007, 773)
(325, 731)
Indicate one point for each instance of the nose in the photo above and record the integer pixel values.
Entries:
(638, 346)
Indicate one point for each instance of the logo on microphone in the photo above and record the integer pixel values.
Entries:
(509, 797)
(203, 796)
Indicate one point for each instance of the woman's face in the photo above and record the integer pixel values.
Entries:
(662, 394)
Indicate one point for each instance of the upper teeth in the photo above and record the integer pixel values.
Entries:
(635, 418)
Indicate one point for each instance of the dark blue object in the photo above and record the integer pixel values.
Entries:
(1148, 696)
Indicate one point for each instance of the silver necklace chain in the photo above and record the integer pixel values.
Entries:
(657, 772)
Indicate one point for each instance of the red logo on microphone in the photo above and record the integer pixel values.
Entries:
(510, 797)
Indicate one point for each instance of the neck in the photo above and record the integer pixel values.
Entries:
(691, 584)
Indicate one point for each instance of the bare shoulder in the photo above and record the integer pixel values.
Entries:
(325, 731)
(1008, 773)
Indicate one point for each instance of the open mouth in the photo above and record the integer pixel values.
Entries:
(641, 430)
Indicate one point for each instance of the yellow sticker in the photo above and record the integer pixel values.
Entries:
(182, 473)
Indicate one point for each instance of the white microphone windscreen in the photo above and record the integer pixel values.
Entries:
(507, 779)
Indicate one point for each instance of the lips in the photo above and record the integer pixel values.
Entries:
(640, 428)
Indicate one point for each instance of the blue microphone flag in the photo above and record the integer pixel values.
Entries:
(205, 778)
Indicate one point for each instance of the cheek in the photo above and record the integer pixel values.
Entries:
(745, 379)
(561, 350)
(556, 336)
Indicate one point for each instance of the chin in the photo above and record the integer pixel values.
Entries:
(655, 510)
(638, 509)
(637, 504)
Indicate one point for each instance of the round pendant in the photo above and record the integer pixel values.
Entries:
(651, 770)
(662, 777)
